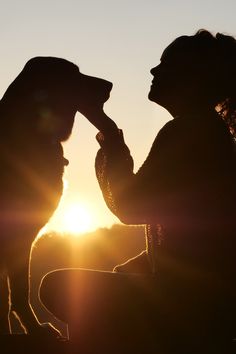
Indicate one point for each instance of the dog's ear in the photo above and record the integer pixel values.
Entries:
(40, 95)
(39, 77)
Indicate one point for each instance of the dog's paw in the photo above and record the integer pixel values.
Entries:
(49, 329)
(46, 330)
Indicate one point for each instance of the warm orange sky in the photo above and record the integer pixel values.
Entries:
(118, 40)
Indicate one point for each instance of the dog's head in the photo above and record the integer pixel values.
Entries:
(47, 94)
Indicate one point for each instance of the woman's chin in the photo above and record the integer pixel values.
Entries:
(157, 96)
(151, 96)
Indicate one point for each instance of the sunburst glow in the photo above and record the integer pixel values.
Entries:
(74, 218)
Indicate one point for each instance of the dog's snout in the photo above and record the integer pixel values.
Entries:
(93, 88)
(96, 83)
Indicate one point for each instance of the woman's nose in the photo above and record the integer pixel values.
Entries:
(154, 70)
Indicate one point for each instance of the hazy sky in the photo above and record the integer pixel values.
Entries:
(116, 39)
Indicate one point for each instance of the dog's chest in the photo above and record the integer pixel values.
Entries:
(32, 175)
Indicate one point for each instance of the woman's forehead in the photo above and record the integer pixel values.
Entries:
(179, 46)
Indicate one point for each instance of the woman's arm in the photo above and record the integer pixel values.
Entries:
(132, 197)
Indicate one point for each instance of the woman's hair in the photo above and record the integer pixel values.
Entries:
(218, 55)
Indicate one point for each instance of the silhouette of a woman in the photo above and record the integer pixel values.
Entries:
(187, 183)
(185, 190)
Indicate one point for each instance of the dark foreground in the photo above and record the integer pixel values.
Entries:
(10, 344)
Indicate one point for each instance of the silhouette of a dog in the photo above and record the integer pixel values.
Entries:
(36, 114)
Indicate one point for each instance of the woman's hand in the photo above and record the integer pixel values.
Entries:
(101, 121)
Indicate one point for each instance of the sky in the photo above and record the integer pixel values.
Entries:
(120, 40)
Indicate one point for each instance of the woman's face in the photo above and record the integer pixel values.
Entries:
(176, 81)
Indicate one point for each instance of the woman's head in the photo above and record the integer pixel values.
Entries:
(196, 73)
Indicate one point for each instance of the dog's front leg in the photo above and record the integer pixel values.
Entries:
(19, 283)
(18, 271)
(5, 326)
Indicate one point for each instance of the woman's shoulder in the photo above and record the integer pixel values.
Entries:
(174, 130)
(193, 125)
(198, 134)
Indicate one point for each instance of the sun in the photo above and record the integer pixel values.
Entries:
(74, 218)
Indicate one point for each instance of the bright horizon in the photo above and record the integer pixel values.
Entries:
(120, 41)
